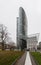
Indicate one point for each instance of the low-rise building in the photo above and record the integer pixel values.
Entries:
(32, 42)
(9, 46)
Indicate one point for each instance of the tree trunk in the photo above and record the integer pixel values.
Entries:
(3, 46)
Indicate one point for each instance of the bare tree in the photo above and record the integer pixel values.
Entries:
(3, 34)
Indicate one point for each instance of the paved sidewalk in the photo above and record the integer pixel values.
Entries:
(21, 61)
(28, 60)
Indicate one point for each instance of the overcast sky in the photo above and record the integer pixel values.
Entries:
(9, 10)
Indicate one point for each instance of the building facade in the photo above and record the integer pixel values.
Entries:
(21, 29)
(32, 42)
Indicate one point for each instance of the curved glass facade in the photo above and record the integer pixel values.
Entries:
(21, 29)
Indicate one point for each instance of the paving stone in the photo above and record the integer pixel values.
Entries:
(21, 61)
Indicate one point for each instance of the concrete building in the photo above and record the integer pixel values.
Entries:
(21, 29)
(32, 42)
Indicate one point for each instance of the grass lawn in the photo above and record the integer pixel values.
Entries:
(37, 57)
(8, 57)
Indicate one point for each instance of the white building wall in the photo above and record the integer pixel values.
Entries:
(32, 43)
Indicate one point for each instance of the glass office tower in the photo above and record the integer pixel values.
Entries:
(21, 29)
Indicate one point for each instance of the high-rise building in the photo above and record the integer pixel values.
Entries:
(21, 29)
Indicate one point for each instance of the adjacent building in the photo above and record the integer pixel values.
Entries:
(32, 42)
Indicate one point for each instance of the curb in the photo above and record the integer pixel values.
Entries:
(36, 63)
(15, 61)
